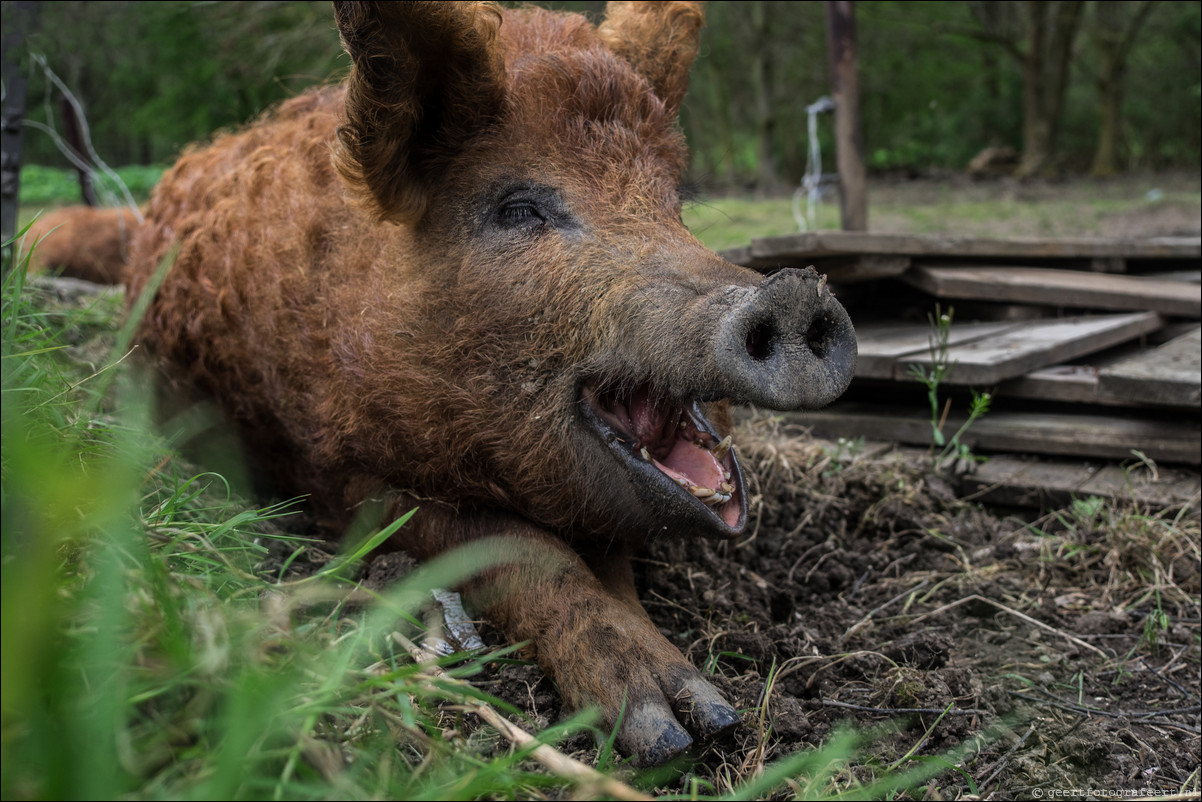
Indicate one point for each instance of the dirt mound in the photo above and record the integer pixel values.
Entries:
(1034, 656)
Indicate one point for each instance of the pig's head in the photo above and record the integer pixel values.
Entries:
(582, 342)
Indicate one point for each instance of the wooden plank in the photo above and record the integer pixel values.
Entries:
(1162, 439)
(830, 243)
(795, 249)
(1170, 374)
(1187, 276)
(1024, 347)
(742, 256)
(863, 268)
(1165, 376)
(882, 345)
(1027, 482)
(1049, 286)
(1072, 384)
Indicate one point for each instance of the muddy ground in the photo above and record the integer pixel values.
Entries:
(1041, 655)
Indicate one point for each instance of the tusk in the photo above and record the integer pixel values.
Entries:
(722, 449)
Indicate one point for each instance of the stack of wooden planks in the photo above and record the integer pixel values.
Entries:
(1089, 348)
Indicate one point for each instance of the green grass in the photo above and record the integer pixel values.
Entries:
(731, 222)
(151, 647)
(53, 186)
(929, 207)
(1126, 207)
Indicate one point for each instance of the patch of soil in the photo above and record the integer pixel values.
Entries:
(1041, 657)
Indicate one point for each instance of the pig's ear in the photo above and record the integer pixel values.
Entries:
(659, 39)
(425, 77)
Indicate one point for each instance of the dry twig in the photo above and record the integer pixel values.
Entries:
(968, 711)
(552, 759)
(1017, 614)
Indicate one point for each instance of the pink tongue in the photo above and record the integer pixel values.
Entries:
(687, 462)
(693, 464)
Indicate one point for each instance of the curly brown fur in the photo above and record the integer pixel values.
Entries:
(447, 280)
(83, 242)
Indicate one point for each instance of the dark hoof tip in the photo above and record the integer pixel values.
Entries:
(704, 710)
(717, 721)
(652, 736)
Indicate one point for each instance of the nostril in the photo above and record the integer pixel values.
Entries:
(761, 341)
(818, 337)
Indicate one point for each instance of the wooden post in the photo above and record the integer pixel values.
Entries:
(72, 132)
(845, 90)
(11, 129)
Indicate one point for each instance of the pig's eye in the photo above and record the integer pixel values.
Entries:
(529, 208)
(519, 214)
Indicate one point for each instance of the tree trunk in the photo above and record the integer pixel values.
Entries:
(845, 91)
(1112, 41)
(1110, 104)
(73, 134)
(765, 113)
(1036, 125)
(724, 151)
(12, 120)
(1051, 31)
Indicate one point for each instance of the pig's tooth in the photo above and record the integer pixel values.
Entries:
(701, 492)
(645, 453)
(727, 488)
(722, 449)
(717, 498)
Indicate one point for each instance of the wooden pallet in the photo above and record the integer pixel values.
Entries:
(854, 256)
(1052, 433)
(1090, 350)
(984, 354)
(1064, 288)
(1168, 376)
(1048, 484)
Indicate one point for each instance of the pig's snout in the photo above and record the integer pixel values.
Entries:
(787, 344)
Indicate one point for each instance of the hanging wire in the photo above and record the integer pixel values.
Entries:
(96, 166)
(811, 182)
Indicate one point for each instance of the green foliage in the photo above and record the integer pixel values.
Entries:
(156, 76)
(931, 97)
(842, 453)
(951, 449)
(1157, 626)
(936, 87)
(53, 186)
(48, 185)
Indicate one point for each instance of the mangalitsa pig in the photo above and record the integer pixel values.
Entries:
(460, 281)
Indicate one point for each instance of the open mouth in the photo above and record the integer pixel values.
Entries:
(674, 449)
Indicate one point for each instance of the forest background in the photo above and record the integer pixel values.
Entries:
(1072, 87)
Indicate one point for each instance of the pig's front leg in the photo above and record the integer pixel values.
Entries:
(591, 636)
